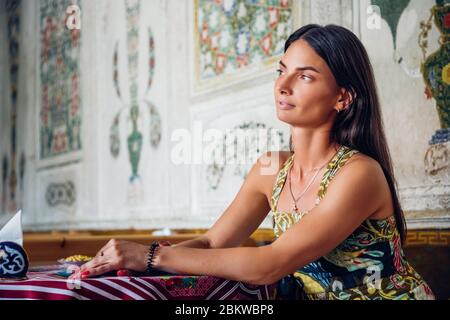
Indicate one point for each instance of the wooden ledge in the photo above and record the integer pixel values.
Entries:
(44, 248)
(47, 248)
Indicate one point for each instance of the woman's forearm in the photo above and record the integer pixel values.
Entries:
(200, 242)
(253, 265)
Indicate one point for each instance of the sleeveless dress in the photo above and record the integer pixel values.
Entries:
(369, 264)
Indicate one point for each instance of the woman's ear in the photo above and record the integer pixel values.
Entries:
(347, 98)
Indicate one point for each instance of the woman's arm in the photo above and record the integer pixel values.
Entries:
(236, 224)
(250, 206)
(246, 264)
(246, 212)
(201, 242)
(353, 195)
(357, 191)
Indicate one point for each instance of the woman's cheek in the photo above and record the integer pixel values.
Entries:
(319, 94)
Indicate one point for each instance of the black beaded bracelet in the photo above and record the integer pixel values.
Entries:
(150, 256)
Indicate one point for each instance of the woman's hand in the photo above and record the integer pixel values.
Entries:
(115, 255)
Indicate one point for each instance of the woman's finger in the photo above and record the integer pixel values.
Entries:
(86, 273)
(76, 273)
(109, 257)
(93, 263)
(98, 270)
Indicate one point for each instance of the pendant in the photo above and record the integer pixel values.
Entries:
(294, 207)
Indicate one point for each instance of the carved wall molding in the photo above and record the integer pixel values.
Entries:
(427, 197)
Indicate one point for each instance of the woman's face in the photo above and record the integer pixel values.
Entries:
(306, 92)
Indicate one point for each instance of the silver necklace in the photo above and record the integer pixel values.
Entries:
(294, 203)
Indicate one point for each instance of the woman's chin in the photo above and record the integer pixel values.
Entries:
(285, 116)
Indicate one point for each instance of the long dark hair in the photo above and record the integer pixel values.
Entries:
(360, 125)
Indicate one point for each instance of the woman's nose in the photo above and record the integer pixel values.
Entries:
(285, 91)
(283, 87)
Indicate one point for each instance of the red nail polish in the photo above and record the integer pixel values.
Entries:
(85, 273)
(123, 273)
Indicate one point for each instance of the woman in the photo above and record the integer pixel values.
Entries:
(340, 236)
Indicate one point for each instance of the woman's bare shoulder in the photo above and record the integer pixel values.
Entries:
(375, 179)
(362, 161)
(363, 173)
(363, 165)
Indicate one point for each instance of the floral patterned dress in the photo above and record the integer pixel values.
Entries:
(368, 264)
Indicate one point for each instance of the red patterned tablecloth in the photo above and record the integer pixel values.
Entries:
(49, 285)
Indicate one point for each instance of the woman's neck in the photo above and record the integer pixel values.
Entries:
(312, 151)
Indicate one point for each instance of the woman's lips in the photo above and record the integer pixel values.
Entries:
(283, 105)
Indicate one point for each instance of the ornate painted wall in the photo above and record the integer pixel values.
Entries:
(409, 59)
(10, 164)
(233, 34)
(60, 113)
(134, 99)
(100, 105)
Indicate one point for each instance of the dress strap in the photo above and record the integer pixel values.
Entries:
(344, 154)
(281, 179)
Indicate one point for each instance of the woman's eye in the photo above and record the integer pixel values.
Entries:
(305, 77)
(279, 71)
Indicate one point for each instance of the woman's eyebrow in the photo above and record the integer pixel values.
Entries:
(300, 68)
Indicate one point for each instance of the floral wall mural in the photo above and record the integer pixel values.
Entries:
(427, 60)
(391, 12)
(12, 170)
(138, 103)
(243, 142)
(60, 114)
(134, 63)
(436, 74)
(233, 35)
